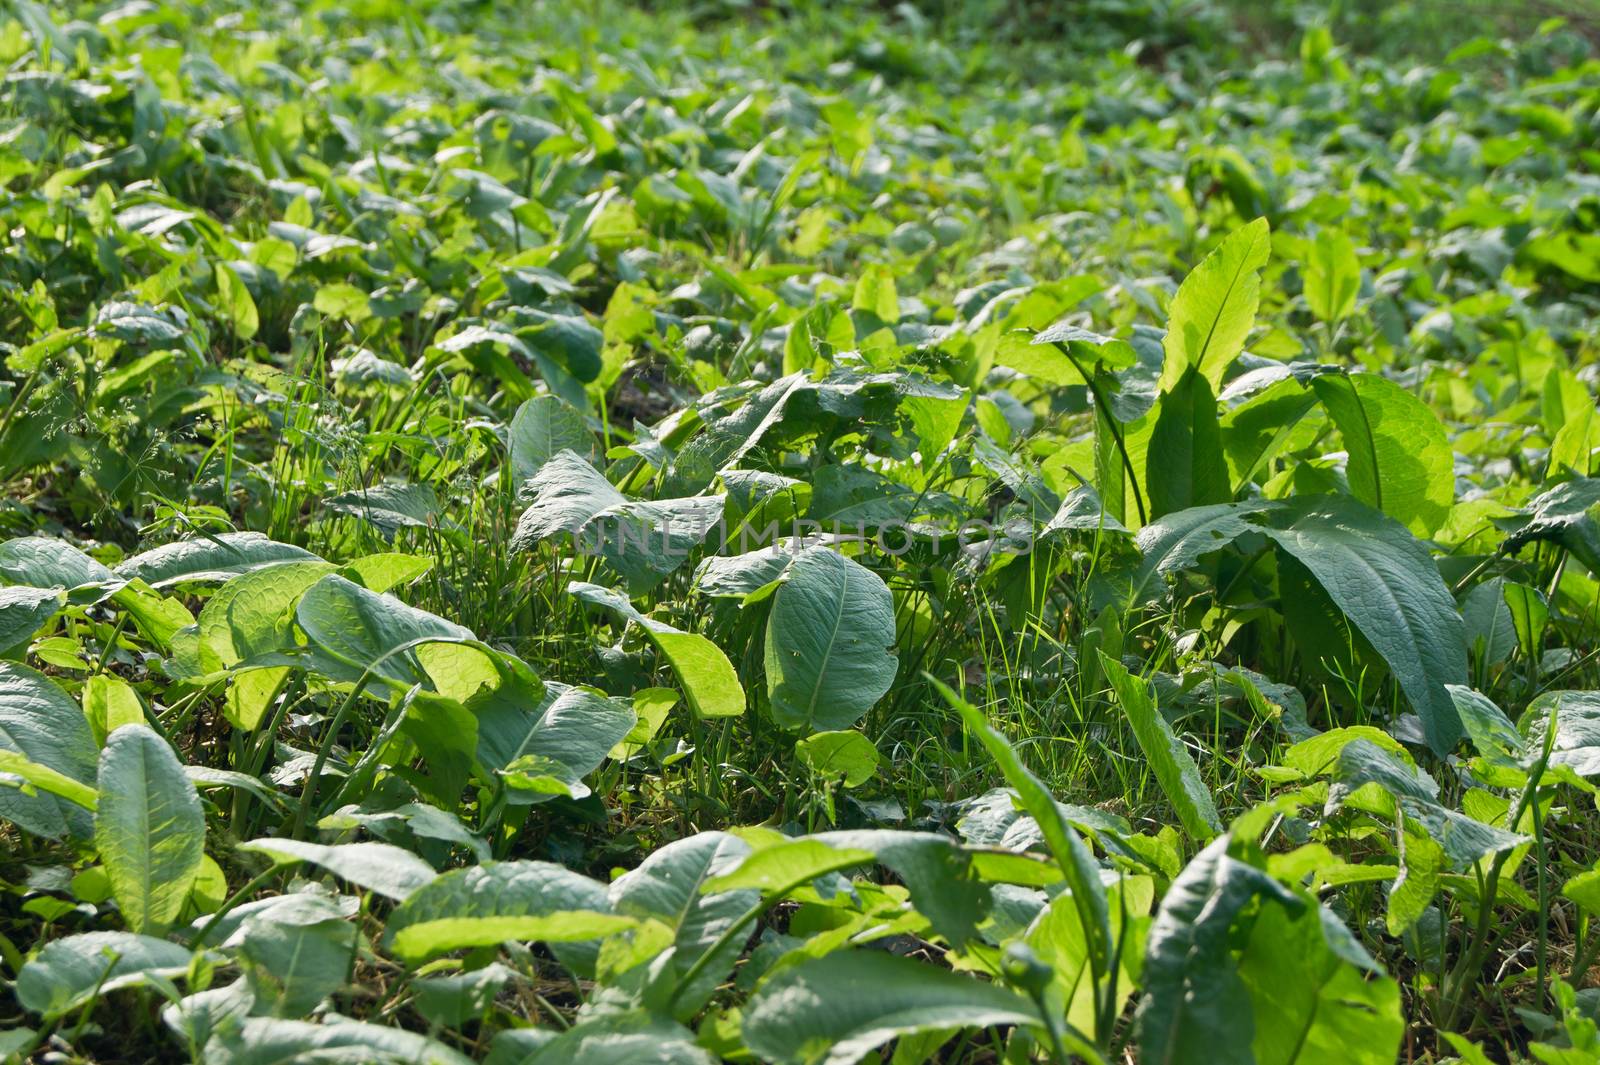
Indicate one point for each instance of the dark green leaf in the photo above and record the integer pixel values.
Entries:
(828, 639)
(1195, 1007)
(1185, 464)
(41, 723)
(70, 971)
(837, 1009)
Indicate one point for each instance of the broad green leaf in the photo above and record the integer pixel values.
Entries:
(364, 368)
(412, 821)
(1386, 583)
(1265, 425)
(1575, 443)
(1374, 571)
(1195, 1008)
(253, 614)
(736, 576)
(642, 540)
(291, 965)
(210, 888)
(650, 709)
(995, 820)
(611, 1039)
(708, 678)
(236, 300)
(1271, 701)
(24, 611)
(343, 300)
(1082, 510)
(1319, 754)
(385, 570)
(1400, 460)
(109, 702)
(1530, 612)
(726, 439)
(1185, 465)
(850, 498)
(672, 886)
(1057, 937)
(30, 357)
(495, 697)
(1416, 885)
(568, 342)
(1464, 839)
(206, 778)
(1490, 628)
(485, 905)
(848, 757)
(1332, 275)
(800, 354)
(1584, 889)
(1215, 307)
(41, 723)
(1563, 400)
(1315, 994)
(452, 1001)
(788, 864)
(756, 495)
(309, 906)
(354, 631)
(569, 732)
(1017, 474)
(1565, 515)
(1576, 743)
(388, 870)
(159, 617)
(250, 694)
(43, 778)
(1043, 358)
(70, 971)
(278, 1041)
(210, 558)
(43, 562)
(837, 1009)
(827, 645)
(1491, 732)
(136, 323)
(1172, 765)
(875, 294)
(392, 506)
(935, 422)
(542, 428)
(1177, 541)
(941, 876)
(149, 828)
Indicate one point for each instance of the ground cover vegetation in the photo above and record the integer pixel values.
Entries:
(798, 534)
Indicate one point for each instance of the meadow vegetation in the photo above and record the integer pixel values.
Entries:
(798, 533)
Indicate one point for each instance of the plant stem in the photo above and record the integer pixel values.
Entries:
(233, 902)
(308, 793)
